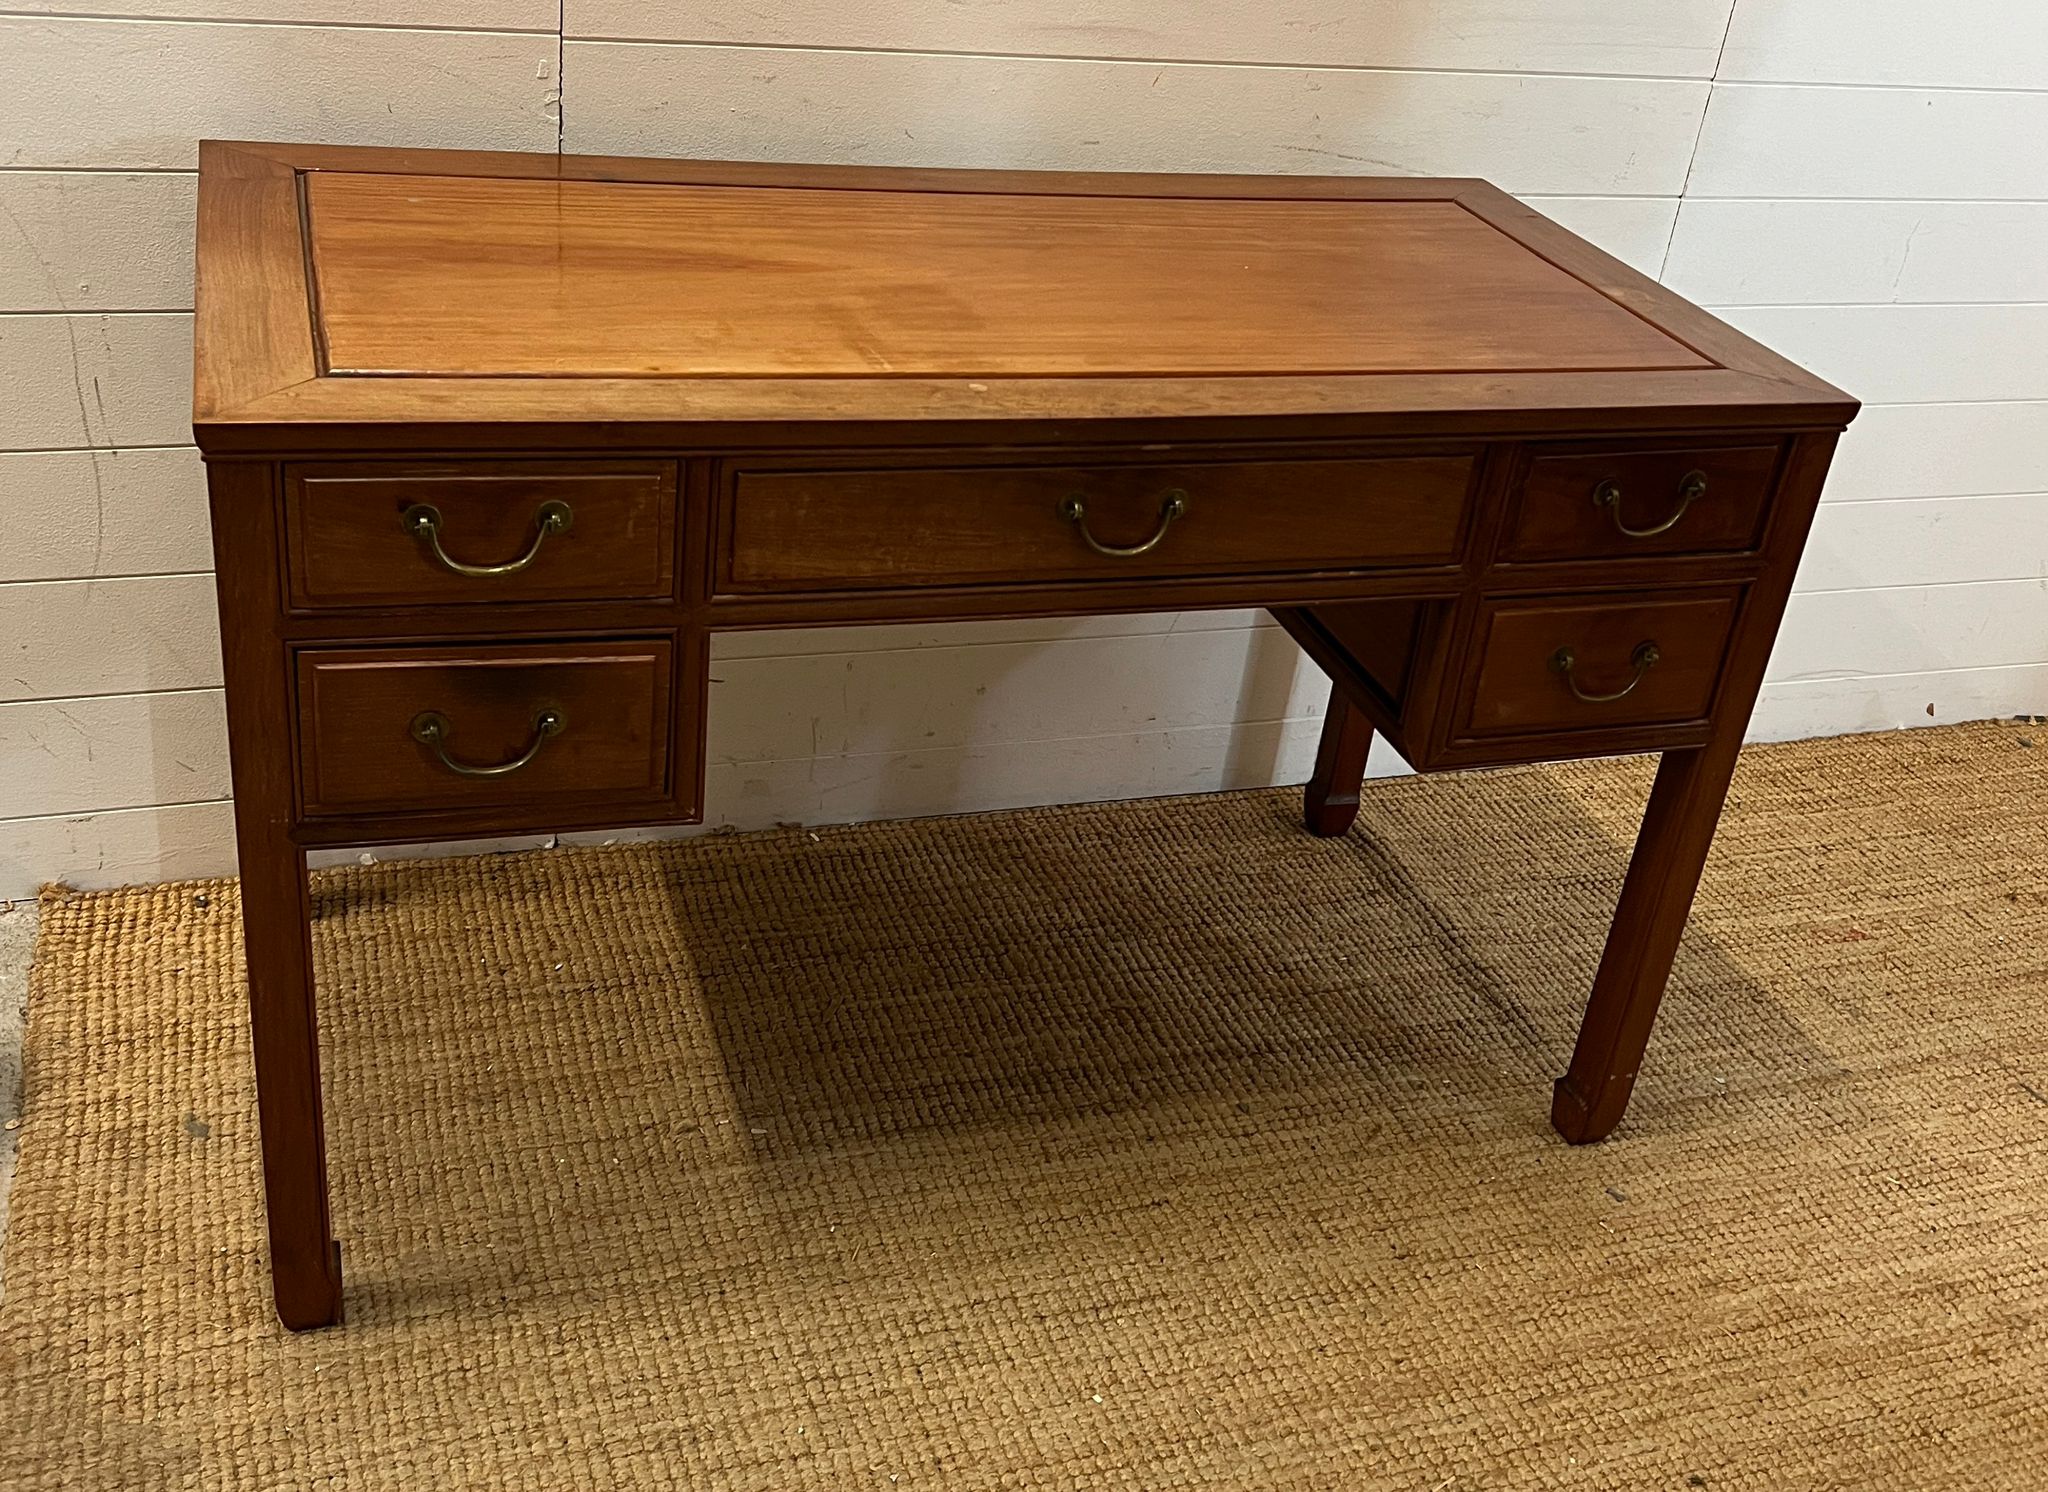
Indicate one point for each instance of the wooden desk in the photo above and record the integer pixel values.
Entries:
(496, 442)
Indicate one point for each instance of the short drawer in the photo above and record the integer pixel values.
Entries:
(380, 534)
(1577, 664)
(830, 529)
(526, 726)
(1586, 503)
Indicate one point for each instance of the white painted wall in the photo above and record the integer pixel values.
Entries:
(1863, 183)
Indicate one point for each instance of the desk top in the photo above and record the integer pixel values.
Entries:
(446, 297)
(414, 275)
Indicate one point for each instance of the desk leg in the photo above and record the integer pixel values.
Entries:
(1330, 801)
(305, 1261)
(1671, 851)
(305, 1266)
(1678, 829)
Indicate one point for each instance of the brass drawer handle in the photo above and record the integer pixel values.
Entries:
(423, 521)
(1075, 511)
(431, 729)
(1691, 488)
(1644, 658)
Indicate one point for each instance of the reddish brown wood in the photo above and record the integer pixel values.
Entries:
(508, 416)
(1630, 287)
(1678, 830)
(305, 1262)
(253, 326)
(357, 707)
(414, 275)
(1556, 517)
(1380, 637)
(1434, 752)
(1330, 800)
(1671, 851)
(1517, 686)
(925, 526)
(1500, 279)
(1103, 595)
(1350, 674)
(785, 395)
(350, 544)
(1370, 651)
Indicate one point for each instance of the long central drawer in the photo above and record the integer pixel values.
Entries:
(811, 529)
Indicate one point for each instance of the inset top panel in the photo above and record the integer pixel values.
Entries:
(504, 277)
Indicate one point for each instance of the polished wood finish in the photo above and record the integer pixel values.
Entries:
(983, 525)
(1517, 685)
(1557, 518)
(305, 1260)
(618, 280)
(253, 333)
(792, 396)
(259, 389)
(1678, 830)
(357, 704)
(1329, 800)
(1476, 686)
(1380, 640)
(350, 545)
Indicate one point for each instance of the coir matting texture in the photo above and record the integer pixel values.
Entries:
(1151, 1145)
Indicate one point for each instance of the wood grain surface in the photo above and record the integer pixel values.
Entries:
(611, 279)
(513, 302)
(356, 707)
(814, 529)
(1516, 685)
(786, 395)
(1556, 516)
(351, 546)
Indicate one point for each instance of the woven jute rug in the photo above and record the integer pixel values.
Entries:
(1151, 1145)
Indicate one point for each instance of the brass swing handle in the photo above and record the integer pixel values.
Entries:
(1691, 488)
(431, 729)
(1172, 505)
(423, 521)
(1644, 658)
